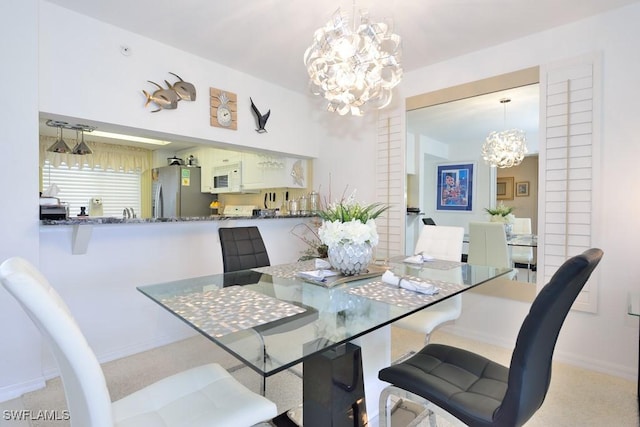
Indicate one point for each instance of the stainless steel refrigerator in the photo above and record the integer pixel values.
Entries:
(176, 193)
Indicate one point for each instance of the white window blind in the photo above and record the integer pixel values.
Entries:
(569, 167)
(118, 190)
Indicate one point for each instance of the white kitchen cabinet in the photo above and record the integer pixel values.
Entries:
(252, 172)
(291, 173)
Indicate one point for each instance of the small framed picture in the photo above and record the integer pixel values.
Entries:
(504, 188)
(522, 188)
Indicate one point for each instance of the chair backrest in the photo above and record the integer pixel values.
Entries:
(488, 245)
(242, 248)
(522, 254)
(85, 387)
(530, 369)
(441, 242)
(521, 226)
(428, 221)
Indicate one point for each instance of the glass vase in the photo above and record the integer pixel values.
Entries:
(350, 258)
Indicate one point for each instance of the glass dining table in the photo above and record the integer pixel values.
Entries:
(273, 318)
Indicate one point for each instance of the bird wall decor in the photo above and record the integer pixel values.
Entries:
(261, 120)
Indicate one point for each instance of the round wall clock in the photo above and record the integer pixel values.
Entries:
(223, 109)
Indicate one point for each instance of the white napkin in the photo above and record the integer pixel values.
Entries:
(317, 275)
(411, 285)
(419, 258)
(322, 264)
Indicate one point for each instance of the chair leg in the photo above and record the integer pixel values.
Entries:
(383, 410)
(427, 338)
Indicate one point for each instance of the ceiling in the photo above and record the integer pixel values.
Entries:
(471, 119)
(267, 39)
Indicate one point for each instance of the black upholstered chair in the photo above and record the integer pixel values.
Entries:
(242, 248)
(462, 385)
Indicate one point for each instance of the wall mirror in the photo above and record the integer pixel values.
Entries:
(449, 127)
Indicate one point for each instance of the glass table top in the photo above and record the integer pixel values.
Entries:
(272, 319)
(527, 240)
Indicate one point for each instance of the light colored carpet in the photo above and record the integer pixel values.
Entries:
(577, 397)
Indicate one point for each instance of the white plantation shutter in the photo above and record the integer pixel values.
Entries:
(118, 190)
(569, 167)
(390, 176)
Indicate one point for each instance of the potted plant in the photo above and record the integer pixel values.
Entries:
(349, 231)
(502, 213)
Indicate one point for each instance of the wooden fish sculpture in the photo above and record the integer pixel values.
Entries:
(185, 90)
(165, 99)
(261, 119)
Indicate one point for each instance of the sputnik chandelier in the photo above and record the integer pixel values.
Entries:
(354, 67)
(507, 148)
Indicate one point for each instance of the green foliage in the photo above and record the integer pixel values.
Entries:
(345, 212)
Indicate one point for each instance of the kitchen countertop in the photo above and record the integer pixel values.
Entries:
(115, 220)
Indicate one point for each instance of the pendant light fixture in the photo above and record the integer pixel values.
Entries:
(506, 148)
(81, 147)
(351, 67)
(59, 146)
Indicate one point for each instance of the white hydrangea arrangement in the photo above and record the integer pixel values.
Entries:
(349, 221)
(501, 213)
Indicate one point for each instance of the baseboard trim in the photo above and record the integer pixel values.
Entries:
(126, 351)
(16, 390)
(576, 360)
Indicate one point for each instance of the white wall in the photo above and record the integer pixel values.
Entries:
(87, 77)
(607, 340)
(20, 354)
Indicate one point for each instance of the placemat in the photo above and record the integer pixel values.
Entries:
(232, 309)
(389, 294)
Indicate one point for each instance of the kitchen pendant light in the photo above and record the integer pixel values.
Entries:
(81, 147)
(59, 146)
(507, 148)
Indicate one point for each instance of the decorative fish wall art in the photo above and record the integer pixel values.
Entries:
(167, 99)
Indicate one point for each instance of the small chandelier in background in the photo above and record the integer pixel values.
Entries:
(507, 148)
(353, 67)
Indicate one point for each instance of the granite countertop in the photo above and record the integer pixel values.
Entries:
(116, 220)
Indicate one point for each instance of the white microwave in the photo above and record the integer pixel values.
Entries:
(227, 178)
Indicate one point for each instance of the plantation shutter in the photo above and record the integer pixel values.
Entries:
(569, 166)
(390, 178)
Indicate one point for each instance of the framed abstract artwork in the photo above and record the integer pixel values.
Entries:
(455, 187)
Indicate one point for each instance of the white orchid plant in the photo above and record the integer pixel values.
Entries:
(501, 213)
(349, 221)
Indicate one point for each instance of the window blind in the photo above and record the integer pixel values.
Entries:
(118, 190)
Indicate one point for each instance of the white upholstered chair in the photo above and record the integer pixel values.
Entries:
(445, 243)
(522, 254)
(203, 396)
(488, 245)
